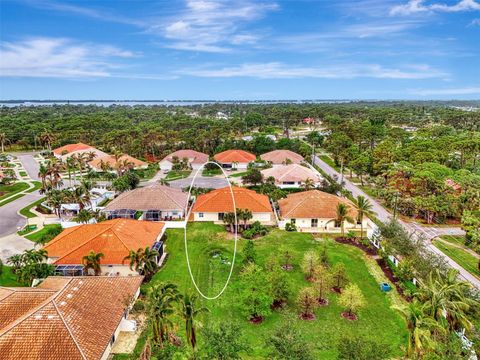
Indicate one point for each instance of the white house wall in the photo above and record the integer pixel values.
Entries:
(264, 218)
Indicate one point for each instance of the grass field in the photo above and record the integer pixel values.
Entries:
(461, 257)
(7, 278)
(377, 320)
(9, 190)
(177, 174)
(47, 233)
(26, 210)
(211, 172)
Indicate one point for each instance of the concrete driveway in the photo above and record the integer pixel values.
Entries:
(13, 244)
(10, 221)
(30, 165)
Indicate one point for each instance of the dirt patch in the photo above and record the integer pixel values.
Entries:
(367, 249)
(348, 316)
(393, 279)
(307, 317)
(336, 290)
(256, 320)
(278, 304)
(322, 302)
(287, 267)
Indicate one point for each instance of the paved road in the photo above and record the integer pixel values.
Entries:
(13, 244)
(200, 181)
(30, 165)
(383, 215)
(9, 219)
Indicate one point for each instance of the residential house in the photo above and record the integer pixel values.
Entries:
(292, 176)
(194, 158)
(113, 163)
(113, 238)
(69, 150)
(234, 159)
(213, 205)
(156, 202)
(66, 317)
(282, 157)
(316, 211)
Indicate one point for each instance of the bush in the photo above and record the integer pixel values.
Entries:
(255, 230)
(290, 227)
(138, 306)
(360, 348)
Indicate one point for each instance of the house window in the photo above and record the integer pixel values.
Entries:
(293, 221)
(200, 215)
(220, 216)
(314, 223)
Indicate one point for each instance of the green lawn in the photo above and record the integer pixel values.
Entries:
(7, 278)
(9, 190)
(377, 320)
(23, 173)
(177, 174)
(240, 174)
(457, 240)
(47, 233)
(9, 200)
(36, 185)
(461, 257)
(211, 172)
(26, 210)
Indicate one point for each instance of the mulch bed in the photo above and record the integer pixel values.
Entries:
(336, 290)
(393, 279)
(307, 317)
(322, 302)
(256, 320)
(287, 267)
(367, 249)
(351, 317)
(278, 305)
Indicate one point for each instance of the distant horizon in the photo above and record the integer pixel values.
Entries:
(241, 100)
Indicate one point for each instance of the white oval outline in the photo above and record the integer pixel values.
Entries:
(236, 232)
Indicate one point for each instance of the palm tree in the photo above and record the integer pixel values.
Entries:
(3, 141)
(160, 306)
(42, 174)
(244, 215)
(135, 258)
(92, 261)
(364, 208)
(55, 199)
(419, 327)
(150, 263)
(84, 216)
(70, 164)
(342, 216)
(308, 184)
(189, 312)
(46, 138)
(229, 219)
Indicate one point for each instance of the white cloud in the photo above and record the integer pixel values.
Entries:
(58, 58)
(212, 26)
(419, 6)
(455, 91)
(276, 70)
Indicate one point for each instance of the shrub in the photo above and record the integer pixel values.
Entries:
(138, 306)
(361, 348)
(290, 227)
(255, 230)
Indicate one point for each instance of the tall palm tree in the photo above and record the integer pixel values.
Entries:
(144, 261)
(342, 216)
(135, 258)
(364, 208)
(161, 300)
(55, 199)
(229, 220)
(419, 326)
(92, 261)
(70, 165)
(42, 174)
(189, 312)
(3, 140)
(47, 138)
(244, 215)
(308, 184)
(84, 216)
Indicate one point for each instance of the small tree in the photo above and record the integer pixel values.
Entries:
(322, 284)
(286, 258)
(280, 287)
(253, 177)
(255, 298)
(352, 300)
(272, 263)
(339, 276)
(288, 343)
(310, 261)
(323, 256)
(224, 341)
(360, 348)
(249, 254)
(306, 302)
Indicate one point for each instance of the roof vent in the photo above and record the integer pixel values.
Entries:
(63, 303)
(69, 296)
(75, 288)
(38, 317)
(50, 317)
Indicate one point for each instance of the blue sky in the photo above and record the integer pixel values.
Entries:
(243, 49)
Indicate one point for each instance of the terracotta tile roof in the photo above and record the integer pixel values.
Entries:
(220, 200)
(313, 204)
(154, 197)
(110, 159)
(280, 156)
(66, 149)
(114, 238)
(292, 172)
(194, 157)
(231, 156)
(74, 322)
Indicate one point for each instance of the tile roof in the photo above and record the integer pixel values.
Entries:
(114, 238)
(66, 149)
(313, 204)
(280, 156)
(110, 159)
(194, 157)
(76, 321)
(153, 197)
(220, 200)
(231, 156)
(292, 172)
